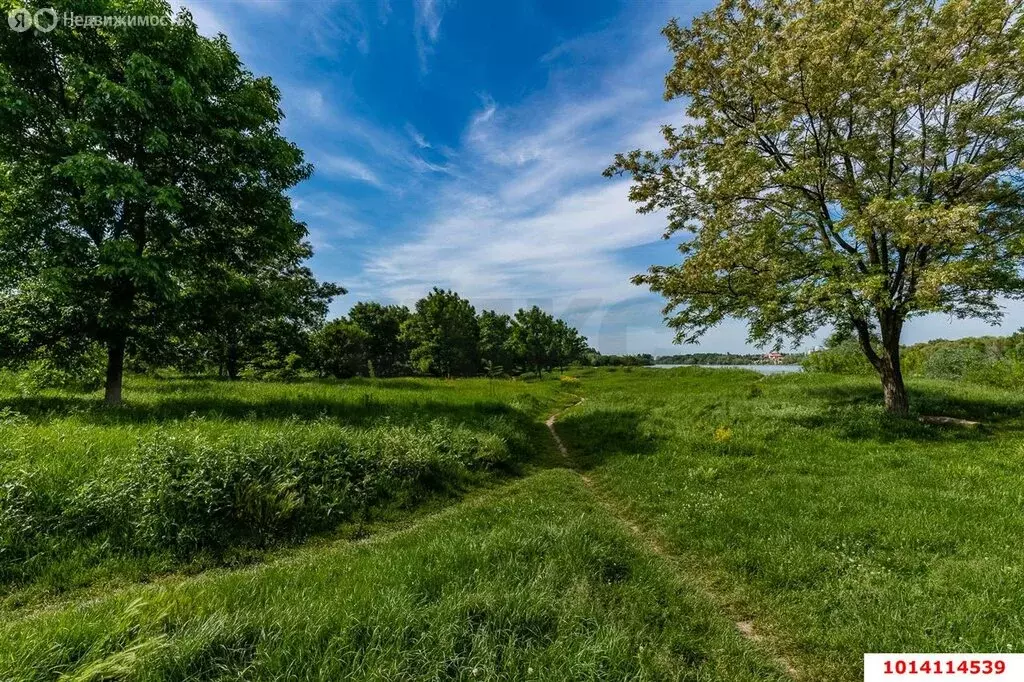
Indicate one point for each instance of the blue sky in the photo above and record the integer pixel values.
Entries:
(461, 144)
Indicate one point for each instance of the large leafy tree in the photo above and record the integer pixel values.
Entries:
(843, 163)
(240, 314)
(496, 350)
(535, 340)
(341, 349)
(570, 346)
(443, 335)
(388, 352)
(132, 160)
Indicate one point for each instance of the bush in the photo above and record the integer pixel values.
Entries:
(953, 362)
(80, 372)
(990, 360)
(1006, 373)
(844, 358)
(187, 493)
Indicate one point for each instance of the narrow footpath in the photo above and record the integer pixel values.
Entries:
(653, 544)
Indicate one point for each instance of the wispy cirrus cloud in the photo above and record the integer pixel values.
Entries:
(427, 28)
(527, 217)
(346, 167)
(332, 222)
(416, 136)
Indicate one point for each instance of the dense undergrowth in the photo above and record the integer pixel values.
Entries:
(212, 472)
(987, 360)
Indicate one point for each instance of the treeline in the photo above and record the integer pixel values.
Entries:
(276, 329)
(991, 360)
(723, 359)
(640, 360)
(444, 336)
(229, 321)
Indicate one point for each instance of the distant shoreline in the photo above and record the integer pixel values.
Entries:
(763, 369)
(713, 364)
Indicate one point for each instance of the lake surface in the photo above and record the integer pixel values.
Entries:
(763, 369)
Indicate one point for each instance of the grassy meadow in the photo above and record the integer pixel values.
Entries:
(411, 529)
(190, 474)
(805, 509)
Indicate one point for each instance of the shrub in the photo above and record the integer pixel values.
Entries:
(953, 361)
(81, 372)
(844, 358)
(186, 493)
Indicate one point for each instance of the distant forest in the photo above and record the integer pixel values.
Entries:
(727, 359)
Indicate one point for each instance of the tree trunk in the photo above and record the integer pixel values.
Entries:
(887, 363)
(232, 360)
(896, 401)
(889, 366)
(115, 370)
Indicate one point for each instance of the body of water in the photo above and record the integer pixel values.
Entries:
(763, 369)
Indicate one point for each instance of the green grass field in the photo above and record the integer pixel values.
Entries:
(708, 525)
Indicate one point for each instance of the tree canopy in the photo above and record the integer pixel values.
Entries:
(496, 351)
(132, 164)
(846, 164)
(388, 350)
(443, 336)
(535, 338)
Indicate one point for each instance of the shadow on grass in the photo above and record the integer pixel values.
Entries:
(856, 412)
(595, 435)
(355, 411)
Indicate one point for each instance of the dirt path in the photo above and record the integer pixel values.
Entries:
(744, 627)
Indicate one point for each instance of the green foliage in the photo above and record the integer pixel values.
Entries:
(211, 472)
(105, 213)
(953, 362)
(723, 359)
(187, 494)
(341, 349)
(387, 351)
(595, 359)
(443, 335)
(257, 316)
(570, 346)
(857, 190)
(534, 339)
(445, 338)
(497, 351)
(989, 360)
(844, 358)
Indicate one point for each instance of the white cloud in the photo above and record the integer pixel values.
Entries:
(332, 24)
(328, 218)
(427, 28)
(528, 218)
(347, 167)
(416, 136)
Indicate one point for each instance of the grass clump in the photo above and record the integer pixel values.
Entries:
(87, 493)
(530, 582)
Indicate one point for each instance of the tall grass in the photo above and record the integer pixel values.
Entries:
(838, 529)
(533, 582)
(214, 471)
